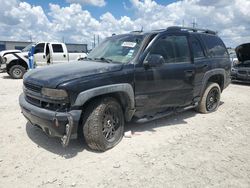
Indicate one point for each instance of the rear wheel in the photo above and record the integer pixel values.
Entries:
(103, 124)
(17, 71)
(210, 100)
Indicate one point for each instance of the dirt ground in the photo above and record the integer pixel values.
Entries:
(184, 150)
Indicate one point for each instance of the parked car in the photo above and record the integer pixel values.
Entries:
(241, 67)
(134, 76)
(16, 62)
(3, 59)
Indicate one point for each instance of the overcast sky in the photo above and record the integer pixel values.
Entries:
(78, 20)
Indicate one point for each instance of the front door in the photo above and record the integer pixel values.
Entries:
(39, 55)
(170, 84)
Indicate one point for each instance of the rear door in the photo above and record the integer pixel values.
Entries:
(58, 53)
(171, 84)
(201, 62)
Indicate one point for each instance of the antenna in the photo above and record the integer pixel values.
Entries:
(141, 28)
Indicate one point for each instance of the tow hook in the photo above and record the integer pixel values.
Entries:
(68, 130)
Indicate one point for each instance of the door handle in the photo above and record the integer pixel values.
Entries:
(189, 73)
(43, 56)
(202, 66)
(64, 55)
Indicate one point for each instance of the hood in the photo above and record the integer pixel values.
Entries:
(4, 52)
(243, 52)
(53, 75)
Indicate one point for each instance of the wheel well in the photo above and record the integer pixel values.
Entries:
(16, 62)
(121, 97)
(219, 79)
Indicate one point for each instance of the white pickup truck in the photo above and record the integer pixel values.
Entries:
(15, 62)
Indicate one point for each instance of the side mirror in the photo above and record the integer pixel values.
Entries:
(154, 60)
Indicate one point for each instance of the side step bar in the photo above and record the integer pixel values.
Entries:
(164, 114)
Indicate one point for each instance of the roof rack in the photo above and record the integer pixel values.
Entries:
(177, 28)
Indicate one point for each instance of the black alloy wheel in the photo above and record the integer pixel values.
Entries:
(213, 98)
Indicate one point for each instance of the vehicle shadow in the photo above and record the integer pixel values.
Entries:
(241, 83)
(53, 144)
(171, 120)
(7, 77)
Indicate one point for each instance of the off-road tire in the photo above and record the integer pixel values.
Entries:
(94, 121)
(203, 106)
(17, 71)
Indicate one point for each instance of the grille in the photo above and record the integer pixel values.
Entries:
(33, 87)
(33, 101)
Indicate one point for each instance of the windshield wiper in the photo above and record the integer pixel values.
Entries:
(104, 59)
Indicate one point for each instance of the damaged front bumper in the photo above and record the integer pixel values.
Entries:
(56, 124)
(2, 67)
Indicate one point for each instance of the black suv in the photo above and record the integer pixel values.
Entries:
(140, 75)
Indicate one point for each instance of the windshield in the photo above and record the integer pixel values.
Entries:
(120, 48)
(27, 48)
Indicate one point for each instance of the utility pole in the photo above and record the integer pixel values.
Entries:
(94, 40)
(98, 39)
(194, 23)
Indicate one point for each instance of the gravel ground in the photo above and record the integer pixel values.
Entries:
(184, 150)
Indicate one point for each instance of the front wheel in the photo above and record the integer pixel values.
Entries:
(210, 100)
(103, 124)
(17, 71)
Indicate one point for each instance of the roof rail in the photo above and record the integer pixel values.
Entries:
(177, 28)
(139, 31)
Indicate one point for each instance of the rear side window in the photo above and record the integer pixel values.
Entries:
(216, 47)
(57, 48)
(197, 49)
(174, 49)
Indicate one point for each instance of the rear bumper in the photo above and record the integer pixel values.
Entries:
(51, 122)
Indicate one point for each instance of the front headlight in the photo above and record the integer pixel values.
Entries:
(4, 60)
(58, 94)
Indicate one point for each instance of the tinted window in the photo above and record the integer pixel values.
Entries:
(57, 48)
(174, 49)
(215, 46)
(19, 47)
(2, 47)
(39, 48)
(76, 48)
(197, 49)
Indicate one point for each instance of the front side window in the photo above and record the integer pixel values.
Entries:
(119, 49)
(39, 48)
(174, 49)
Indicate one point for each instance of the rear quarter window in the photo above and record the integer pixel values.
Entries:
(215, 46)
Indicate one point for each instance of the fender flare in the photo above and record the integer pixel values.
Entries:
(211, 73)
(13, 57)
(124, 88)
